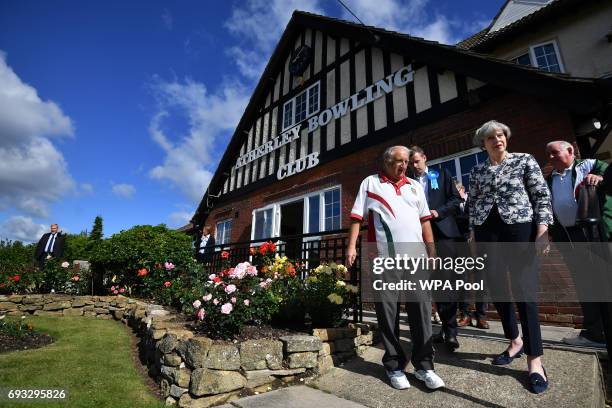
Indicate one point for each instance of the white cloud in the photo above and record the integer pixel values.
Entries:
(20, 228)
(33, 173)
(192, 157)
(167, 20)
(124, 190)
(258, 25)
(407, 16)
(86, 188)
(179, 218)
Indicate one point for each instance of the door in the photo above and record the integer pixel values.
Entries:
(292, 223)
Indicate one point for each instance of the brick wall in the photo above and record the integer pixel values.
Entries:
(533, 124)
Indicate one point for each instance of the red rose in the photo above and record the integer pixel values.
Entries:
(16, 278)
(143, 272)
(217, 279)
(225, 254)
(166, 284)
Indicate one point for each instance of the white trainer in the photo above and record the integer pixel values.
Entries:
(431, 379)
(398, 380)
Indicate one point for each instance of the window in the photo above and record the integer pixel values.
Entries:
(332, 210)
(263, 224)
(301, 107)
(224, 232)
(543, 56)
(546, 57)
(522, 59)
(460, 164)
(321, 212)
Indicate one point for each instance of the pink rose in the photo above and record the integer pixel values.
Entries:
(166, 284)
(230, 289)
(227, 308)
(251, 270)
(212, 276)
(121, 290)
(247, 302)
(239, 271)
(215, 302)
(169, 266)
(200, 314)
(113, 288)
(233, 300)
(115, 292)
(207, 297)
(197, 304)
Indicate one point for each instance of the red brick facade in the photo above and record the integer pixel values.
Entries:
(533, 124)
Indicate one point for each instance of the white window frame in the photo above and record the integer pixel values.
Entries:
(456, 157)
(276, 212)
(217, 241)
(292, 102)
(534, 61)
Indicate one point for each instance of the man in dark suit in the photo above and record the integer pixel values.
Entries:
(443, 200)
(205, 245)
(50, 245)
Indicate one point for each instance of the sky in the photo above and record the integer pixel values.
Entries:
(123, 109)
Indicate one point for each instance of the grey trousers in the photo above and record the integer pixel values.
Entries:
(419, 321)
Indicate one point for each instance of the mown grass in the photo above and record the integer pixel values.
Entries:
(90, 359)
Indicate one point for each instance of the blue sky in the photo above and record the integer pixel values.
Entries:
(122, 109)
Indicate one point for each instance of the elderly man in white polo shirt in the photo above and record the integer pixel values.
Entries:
(397, 212)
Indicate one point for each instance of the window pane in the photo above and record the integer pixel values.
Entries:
(263, 224)
(288, 115)
(522, 60)
(313, 214)
(450, 166)
(547, 58)
(313, 99)
(332, 210)
(228, 232)
(300, 107)
(466, 163)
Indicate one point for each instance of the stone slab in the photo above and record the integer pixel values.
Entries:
(471, 379)
(299, 396)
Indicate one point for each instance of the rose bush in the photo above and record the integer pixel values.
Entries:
(329, 296)
(233, 298)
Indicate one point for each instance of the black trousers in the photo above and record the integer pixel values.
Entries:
(419, 321)
(495, 230)
(597, 316)
(592, 323)
(447, 247)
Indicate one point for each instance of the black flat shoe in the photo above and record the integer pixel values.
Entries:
(452, 343)
(537, 383)
(505, 358)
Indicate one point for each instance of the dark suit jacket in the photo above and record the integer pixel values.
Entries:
(58, 246)
(445, 200)
(208, 249)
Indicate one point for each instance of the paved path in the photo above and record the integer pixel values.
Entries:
(471, 380)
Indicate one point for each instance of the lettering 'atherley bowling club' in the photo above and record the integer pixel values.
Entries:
(358, 100)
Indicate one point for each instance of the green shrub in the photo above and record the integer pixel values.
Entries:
(143, 259)
(329, 297)
(17, 268)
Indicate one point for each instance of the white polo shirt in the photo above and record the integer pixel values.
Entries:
(394, 210)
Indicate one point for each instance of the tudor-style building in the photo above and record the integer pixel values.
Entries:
(335, 94)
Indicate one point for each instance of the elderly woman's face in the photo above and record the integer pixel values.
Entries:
(495, 143)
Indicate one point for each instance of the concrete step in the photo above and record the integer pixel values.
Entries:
(299, 396)
(471, 380)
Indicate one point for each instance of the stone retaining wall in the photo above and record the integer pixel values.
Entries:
(194, 371)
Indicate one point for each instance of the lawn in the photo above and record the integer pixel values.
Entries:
(90, 359)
